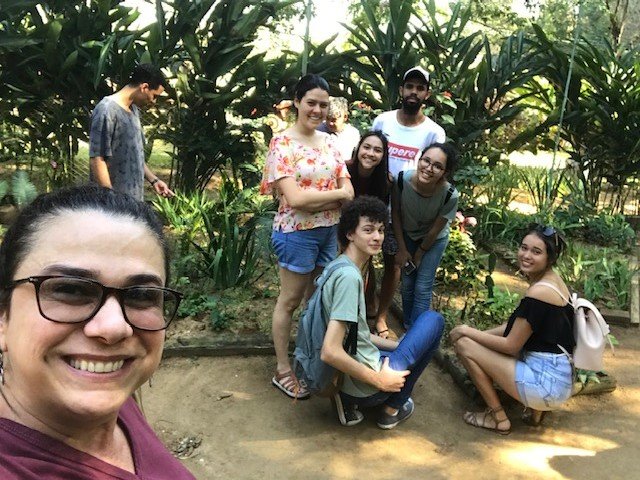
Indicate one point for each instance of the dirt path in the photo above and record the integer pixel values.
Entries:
(251, 431)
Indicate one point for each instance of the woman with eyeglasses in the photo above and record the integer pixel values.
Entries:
(83, 312)
(423, 204)
(524, 356)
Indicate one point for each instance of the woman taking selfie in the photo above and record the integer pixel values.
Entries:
(524, 356)
(83, 309)
(305, 172)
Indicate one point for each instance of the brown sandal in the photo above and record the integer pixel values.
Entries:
(383, 331)
(288, 384)
(479, 419)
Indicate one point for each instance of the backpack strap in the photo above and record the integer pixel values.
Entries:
(400, 181)
(557, 290)
(450, 191)
(351, 342)
(576, 303)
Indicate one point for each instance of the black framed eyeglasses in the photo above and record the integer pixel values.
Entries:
(68, 299)
(436, 167)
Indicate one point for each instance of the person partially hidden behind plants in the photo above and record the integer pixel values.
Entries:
(382, 371)
(524, 356)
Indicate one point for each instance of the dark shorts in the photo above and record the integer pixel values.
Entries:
(389, 244)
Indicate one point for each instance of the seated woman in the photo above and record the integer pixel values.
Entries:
(83, 311)
(524, 356)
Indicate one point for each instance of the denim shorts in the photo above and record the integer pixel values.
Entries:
(301, 251)
(544, 380)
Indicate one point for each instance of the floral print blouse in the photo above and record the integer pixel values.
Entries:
(318, 168)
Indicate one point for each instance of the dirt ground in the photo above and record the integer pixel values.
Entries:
(249, 430)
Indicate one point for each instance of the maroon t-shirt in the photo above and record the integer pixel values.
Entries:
(27, 454)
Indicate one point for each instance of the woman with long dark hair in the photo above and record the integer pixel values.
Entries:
(369, 172)
(306, 173)
(526, 355)
(423, 205)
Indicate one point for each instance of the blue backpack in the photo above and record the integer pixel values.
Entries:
(319, 378)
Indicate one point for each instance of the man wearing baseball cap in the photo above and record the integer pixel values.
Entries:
(409, 131)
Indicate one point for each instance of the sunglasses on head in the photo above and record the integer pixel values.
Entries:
(549, 232)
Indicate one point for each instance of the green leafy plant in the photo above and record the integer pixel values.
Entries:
(499, 185)
(60, 55)
(460, 266)
(208, 47)
(21, 192)
(543, 186)
(607, 230)
(603, 275)
(232, 244)
(599, 129)
(492, 309)
(501, 225)
(185, 214)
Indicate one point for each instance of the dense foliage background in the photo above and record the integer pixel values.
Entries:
(565, 76)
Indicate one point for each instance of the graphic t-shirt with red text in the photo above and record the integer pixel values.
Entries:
(406, 143)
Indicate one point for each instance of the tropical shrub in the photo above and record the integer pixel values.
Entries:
(543, 186)
(497, 188)
(207, 46)
(60, 55)
(603, 275)
(609, 230)
(460, 266)
(492, 308)
(600, 116)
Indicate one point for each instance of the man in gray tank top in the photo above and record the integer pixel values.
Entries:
(116, 139)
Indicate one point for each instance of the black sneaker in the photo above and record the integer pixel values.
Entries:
(348, 415)
(387, 421)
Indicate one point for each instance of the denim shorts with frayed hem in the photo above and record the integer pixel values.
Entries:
(301, 251)
(544, 380)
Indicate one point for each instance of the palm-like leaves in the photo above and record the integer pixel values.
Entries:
(55, 60)
(602, 115)
(207, 45)
(380, 57)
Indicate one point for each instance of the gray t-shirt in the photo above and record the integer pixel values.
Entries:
(419, 212)
(116, 135)
(339, 296)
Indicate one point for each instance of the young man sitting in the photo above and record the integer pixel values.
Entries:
(382, 372)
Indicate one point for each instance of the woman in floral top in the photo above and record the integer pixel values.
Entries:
(306, 173)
